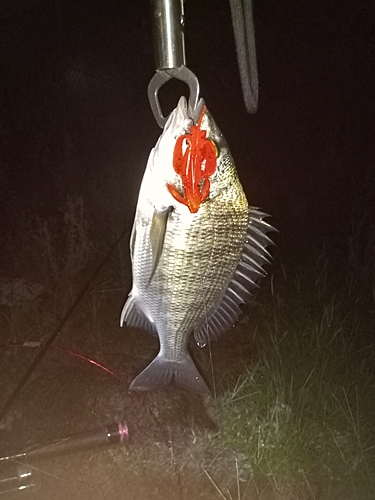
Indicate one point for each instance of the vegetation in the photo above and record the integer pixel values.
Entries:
(293, 412)
(303, 411)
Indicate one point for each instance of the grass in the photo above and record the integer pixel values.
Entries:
(303, 411)
(293, 412)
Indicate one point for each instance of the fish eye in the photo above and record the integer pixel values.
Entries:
(184, 146)
(216, 146)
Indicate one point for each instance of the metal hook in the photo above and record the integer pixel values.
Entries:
(160, 78)
(168, 30)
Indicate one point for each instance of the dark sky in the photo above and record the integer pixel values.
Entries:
(75, 115)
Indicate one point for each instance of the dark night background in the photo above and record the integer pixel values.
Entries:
(76, 120)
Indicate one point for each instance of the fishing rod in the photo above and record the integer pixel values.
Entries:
(46, 345)
(17, 474)
(115, 433)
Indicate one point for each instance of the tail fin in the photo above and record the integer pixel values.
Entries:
(160, 372)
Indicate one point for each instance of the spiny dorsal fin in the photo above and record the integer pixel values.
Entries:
(245, 279)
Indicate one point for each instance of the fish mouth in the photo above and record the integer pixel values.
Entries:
(195, 161)
(193, 199)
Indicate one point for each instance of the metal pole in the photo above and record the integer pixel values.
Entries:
(168, 33)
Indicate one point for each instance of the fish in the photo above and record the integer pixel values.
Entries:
(197, 248)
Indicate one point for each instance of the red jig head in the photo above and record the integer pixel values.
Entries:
(194, 159)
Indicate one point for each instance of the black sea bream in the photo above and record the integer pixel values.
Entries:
(197, 248)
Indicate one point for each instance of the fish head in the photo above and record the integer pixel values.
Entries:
(187, 161)
(159, 171)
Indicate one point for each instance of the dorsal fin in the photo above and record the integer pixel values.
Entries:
(245, 279)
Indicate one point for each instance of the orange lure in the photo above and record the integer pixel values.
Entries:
(194, 159)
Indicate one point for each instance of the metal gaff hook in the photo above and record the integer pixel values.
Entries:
(169, 47)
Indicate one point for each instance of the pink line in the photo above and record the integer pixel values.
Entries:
(123, 432)
(92, 361)
(62, 349)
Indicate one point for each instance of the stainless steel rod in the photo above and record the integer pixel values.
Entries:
(168, 32)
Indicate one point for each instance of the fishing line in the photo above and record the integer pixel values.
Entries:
(168, 442)
(70, 352)
(212, 371)
(174, 463)
(21, 384)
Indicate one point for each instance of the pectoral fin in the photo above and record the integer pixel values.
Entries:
(157, 235)
(132, 241)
